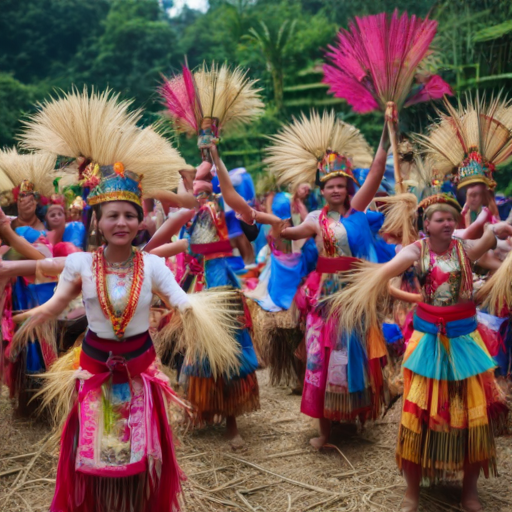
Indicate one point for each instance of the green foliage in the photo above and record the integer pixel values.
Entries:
(128, 44)
(15, 98)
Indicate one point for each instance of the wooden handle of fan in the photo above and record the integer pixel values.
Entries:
(392, 118)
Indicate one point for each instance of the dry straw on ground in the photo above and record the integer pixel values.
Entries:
(277, 471)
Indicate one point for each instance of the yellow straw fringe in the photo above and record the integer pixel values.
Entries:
(207, 330)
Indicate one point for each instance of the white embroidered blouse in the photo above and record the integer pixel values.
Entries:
(157, 278)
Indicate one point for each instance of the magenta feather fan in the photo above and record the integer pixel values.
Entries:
(378, 59)
(182, 99)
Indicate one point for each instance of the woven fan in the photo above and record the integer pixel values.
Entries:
(377, 60)
(100, 128)
(296, 151)
(227, 96)
(35, 167)
(475, 124)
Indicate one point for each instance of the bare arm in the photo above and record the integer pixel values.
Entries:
(172, 200)
(305, 230)
(367, 192)
(229, 194)
(168, 229)
(477, 248)
(489, 261)
(476, 229)
(172, 249)
(401, 262)
(18, 243)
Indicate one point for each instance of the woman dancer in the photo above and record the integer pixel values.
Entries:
(344, 373)
(451, 401)
(117, 451)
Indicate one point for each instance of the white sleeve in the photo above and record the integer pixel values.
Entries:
(73, 267)
(312, 217)
(163, 281)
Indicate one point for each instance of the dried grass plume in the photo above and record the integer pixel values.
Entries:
(101, 128)
(296, 150)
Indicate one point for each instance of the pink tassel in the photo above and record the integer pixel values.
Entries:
(376, 61)
(182, 100)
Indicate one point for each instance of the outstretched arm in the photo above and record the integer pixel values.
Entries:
(477, 248)
(18, 243)
(304, 230)
(172, 200)
(172, 249)
(366, 193)
(66, 291)
(229, 194)
(168, 229)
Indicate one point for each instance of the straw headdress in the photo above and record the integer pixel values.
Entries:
(34, 167)
(470, 140)
(100, 128)
(298, 150)
(218, 92)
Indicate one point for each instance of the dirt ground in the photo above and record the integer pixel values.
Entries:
(276, 472)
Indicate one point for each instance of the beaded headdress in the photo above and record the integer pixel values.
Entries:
(315, 149)
(27, 188)
(29, 172)
(77, 204)
(112, 183)
(333, 165)
(442, 198)
(475, 169)
(469, 141)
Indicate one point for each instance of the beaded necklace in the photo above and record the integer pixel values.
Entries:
(99, 265)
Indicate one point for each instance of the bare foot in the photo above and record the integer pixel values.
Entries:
(318, 442)
(471, 503)
(237, 442)
(409, 504)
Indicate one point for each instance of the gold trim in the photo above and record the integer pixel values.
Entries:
(472, 180)
(121, 195)
(337, 174)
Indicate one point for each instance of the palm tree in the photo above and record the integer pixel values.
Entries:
(274, 49)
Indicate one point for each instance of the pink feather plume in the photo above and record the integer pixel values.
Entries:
(376, 61)
(180, 96)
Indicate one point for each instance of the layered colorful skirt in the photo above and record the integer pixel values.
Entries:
(117, 452)
(344, 373)
(216, 398)
(452, 406)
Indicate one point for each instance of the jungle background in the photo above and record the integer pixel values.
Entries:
(47, 45)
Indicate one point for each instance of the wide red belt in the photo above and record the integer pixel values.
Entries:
(116, 365)
(222, 246)
(434, 314)
(333, 265)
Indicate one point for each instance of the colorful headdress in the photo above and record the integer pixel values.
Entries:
(101, 129)
(470, 141)
(77, 204)
(113, 184)
(27, 188)
(317, 148)
(225, 95)
(29, 173)
(378, 59)
(441, 198)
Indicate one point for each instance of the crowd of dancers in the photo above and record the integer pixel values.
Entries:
(354, 276)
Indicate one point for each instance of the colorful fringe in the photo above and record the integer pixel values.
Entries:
(447, 423)
(215, 399)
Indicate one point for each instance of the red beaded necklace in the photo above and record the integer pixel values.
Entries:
(119, 323)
